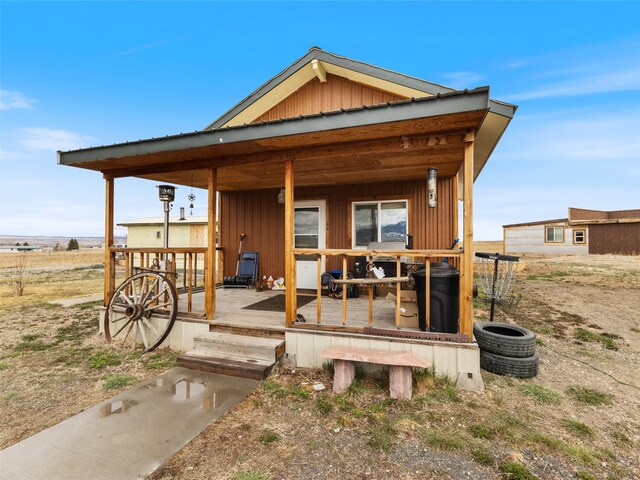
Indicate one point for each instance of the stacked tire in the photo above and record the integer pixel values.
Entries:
(506, 349)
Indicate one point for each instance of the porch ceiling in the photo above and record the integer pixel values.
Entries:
(391, 142)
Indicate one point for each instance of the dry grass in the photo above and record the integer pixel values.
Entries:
(286, 430)
(56, 259)
(53, 276)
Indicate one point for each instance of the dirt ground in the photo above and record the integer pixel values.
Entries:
(579, 418)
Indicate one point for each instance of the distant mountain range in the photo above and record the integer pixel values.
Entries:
(390, 233)
(46, 241)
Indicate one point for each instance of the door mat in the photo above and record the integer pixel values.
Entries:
(278, 303)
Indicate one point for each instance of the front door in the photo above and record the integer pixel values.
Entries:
(310, 231)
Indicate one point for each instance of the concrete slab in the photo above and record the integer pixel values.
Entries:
(70, 302)
(129, 435)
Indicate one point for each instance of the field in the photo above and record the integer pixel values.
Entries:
(579, 418)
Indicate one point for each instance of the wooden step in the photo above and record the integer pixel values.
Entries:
(247, 330)
(226, 365)
(229, 344)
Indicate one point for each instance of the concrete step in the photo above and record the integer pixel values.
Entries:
(236, 366)
(230, 344)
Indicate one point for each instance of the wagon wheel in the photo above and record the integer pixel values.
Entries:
(128, 319)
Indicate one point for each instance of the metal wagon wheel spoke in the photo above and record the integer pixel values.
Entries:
(142, 311)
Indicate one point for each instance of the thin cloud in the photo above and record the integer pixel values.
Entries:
(463, 79)
(618, 81)
(11, 100)
(146, 47)
(595, 137)
(37, 138)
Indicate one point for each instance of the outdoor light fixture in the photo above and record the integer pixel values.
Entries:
(281, 196)
(432, 178)
(167, 194)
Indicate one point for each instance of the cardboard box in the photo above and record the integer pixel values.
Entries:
(408, 308)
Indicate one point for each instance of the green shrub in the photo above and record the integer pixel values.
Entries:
(114, 382)
(590, 396)
(540, 394)
(268, 436)
(515, 471)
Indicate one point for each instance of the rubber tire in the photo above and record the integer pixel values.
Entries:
(520, 343)
(516, 367)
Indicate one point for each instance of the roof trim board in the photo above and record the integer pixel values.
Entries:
(451, 103)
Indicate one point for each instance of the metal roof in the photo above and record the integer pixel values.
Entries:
(440, 104)
(188, 220)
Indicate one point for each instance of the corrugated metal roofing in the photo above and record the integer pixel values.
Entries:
(440, 104)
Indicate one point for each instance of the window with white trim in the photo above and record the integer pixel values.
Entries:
(384, 221)
(579, 236)
(554, 234)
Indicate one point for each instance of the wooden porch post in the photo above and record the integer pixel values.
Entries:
(289, 259)
(210, 270)
(109, 265)
(466, 273)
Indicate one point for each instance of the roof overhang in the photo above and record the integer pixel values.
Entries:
(248, 156)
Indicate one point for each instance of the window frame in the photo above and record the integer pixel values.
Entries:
(379, 203)
(584, 236)
(546, 236)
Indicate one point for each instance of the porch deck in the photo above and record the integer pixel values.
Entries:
(231, 303)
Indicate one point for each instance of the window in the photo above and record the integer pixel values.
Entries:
(158, 234)
(379, 222)
(579, 236)
(554, 234)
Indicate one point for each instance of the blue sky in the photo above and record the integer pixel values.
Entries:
(78, 74)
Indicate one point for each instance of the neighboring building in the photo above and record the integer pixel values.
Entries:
(149, 232)
(582, 232)
(24, 248)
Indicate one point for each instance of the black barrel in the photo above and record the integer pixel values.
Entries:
(444, 298)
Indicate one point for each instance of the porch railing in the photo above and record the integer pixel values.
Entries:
(186, 265)
(423, 256)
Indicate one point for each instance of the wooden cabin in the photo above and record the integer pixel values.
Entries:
(583, 232)
(320, 161)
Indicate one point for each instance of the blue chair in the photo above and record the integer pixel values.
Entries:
(247, 271)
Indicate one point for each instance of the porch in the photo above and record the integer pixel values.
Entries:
(449, 354)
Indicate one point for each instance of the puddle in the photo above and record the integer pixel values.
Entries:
(159, 382)
(217, 399)
(186, 389)
(115, 408)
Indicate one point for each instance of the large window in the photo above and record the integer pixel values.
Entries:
(379, 222)
(554, 234)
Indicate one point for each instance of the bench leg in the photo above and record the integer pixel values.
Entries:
(400, 382)
(344, 372)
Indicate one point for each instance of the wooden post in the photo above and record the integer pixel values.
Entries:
(109, 264)
(427, 293)
(398, 293)
(289, 258)
(344, 291)
(466, 269)
(319, 292)
(210, 260)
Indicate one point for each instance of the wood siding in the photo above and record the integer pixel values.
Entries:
(258, 214)
(577, 214)
(622, 239)
(329, 96)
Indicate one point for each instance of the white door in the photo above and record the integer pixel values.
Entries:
(310, 231)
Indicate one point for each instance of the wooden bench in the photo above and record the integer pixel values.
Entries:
(400, 364)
